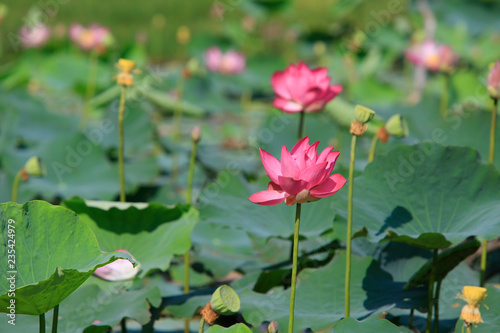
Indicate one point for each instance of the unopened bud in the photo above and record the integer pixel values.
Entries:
(196, 134)
(493, 81)
(273, 327)
(396, 126)
(34, 167)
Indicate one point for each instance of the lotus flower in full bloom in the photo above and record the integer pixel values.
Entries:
(118, 270)
(435, 57)
(298, 88)
(302, 175)
(95, 37)
(231, 62)
(35, 36)
(493, 81)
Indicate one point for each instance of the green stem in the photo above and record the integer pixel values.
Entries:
(41, 321)
(294, 267)
(484, 255)
(90, 91)
(301, 125)
(430, 295)
(469, 328)
(445, 95)
(121, 144)
(349, 230)
(412, 315)
(15, 185)
(55, 318)
(123, 325)
(436, 307)
(493, 129)
(177, 123)
(373, 145)
(202, 325)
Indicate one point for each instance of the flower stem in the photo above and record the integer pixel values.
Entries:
(55, 318)
(445, 94)
(430, 295)
(349, 230)
(89, 93)
(294, 267)
(436, 306)
(121, 144)
(301, 125)
(493, 129)
(469, 328)
(41, 321)
(484, 255)
(15, 185)
(373, 145)
(202, 324)
(177, 123)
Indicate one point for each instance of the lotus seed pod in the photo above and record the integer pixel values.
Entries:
(396, 126)
(225, 301)
(34, 167)
(363, 114)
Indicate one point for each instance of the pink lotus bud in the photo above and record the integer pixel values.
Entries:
(301, 176)
(118, 270)
(299, 88)
(35, 36)
(493, 82)
(196, 134)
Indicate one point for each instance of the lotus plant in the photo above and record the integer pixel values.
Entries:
(32, 168)
(228, 63)
(302, 90)
(435, 58)
(395, 126)
(34, 36)
(301, 176)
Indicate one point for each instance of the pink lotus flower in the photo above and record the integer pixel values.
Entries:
(35, 36)
(298, 88)
(493, 81)
(118, 270)
(231, 62)
(95, 37)
(435, 57)
(301, 176)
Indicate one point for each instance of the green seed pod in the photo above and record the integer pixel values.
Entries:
(363, 114)
(34, 167)
(396, 126)
(225, 301)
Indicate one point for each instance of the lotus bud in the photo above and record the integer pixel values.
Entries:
(273, 327)
(363, 114)
(396, 126)
(196, 134)
(225, 301)
(34, 167)
(493, 82)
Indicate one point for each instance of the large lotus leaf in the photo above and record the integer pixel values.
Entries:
(225, 202)
(372, 290)
(348, 325)
(54, 254)
(237, 328)
(153, 233)
(490, 313)
(427, 195)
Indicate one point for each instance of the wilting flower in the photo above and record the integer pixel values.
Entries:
(231, 62)
(298, 88)
(301, 176)
(125, 77)
(470, 312)
(95, 37)
(35, 36)
(118, 270)
(435, 57)
(493, 82)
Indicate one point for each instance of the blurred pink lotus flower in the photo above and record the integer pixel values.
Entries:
(301, 176)
(298, 88)
(35, 36)
(435, 57)
(493, 81)
(95, 37)
(231, 62)
(118, 270)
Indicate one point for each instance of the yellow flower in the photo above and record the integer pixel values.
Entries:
(126, 67)
(473, 296)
